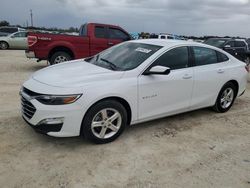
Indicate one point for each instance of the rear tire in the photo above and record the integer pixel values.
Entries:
(104, 122)
(59, 57)
(4, 45)
(225, 98)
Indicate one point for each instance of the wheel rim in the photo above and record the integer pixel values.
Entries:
(106, 123)
(3, 45)
(227, 98)
(60, 59)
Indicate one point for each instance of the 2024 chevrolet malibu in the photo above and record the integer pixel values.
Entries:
(132, 82)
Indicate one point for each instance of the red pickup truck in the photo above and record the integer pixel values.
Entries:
(92, 39)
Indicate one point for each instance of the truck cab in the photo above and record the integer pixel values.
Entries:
(92, 39)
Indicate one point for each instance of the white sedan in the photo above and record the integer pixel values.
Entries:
(17, 40)
(130, 83)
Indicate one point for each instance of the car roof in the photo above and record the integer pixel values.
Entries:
(169, 42)
(234, 39)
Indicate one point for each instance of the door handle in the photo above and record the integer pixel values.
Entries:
(187, 76)
(220, 71)
(110, 43)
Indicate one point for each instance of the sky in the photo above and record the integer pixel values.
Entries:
(182, 17)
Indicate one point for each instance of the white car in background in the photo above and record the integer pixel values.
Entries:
(17, 40)
(130, 83)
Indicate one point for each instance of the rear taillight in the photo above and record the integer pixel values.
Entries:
(32, 40)
(247, 68)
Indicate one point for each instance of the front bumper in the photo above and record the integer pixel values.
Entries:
(45, 128)
(72, 115)
(30, 54)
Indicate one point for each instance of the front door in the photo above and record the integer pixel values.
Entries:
(161, 95)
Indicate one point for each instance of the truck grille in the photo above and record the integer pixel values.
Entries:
(28, 109)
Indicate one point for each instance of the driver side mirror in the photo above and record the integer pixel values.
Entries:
(157, 70)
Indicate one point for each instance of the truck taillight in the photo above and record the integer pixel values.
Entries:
(32, 40)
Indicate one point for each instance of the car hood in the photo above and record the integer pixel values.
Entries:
(74, 74)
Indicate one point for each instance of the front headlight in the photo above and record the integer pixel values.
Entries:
(57, 99)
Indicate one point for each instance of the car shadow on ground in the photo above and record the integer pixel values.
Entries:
(169, 126)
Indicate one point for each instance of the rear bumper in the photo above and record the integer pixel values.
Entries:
(29, 54)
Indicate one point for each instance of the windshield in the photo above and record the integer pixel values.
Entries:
(216, 42)
(125, 56)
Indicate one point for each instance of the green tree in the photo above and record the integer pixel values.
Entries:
(4, 23)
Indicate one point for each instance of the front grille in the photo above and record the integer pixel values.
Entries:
(28, 109)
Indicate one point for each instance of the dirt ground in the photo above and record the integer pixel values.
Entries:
(195, 149)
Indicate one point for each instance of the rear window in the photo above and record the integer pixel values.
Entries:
(100, 32)
(240, 44)
(117, 34)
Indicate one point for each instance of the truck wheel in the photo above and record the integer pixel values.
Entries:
(4, 45)
(59, 57)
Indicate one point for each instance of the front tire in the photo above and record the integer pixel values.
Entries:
(59, 57)
(225, 98)
(104, 122)
(4, 45)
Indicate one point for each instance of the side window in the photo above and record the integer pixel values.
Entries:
(163, 37)
(100, 32)
(222, 57)
(204, 56)
(231, 44)
(176, 58)
(170, 37)
(21, 34)
(117, 34)
(240, 44)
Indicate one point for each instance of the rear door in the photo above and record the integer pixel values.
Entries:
(99, 41)
(210, 74)
(116, 36)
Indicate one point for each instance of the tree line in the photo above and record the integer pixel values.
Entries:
(70, 29)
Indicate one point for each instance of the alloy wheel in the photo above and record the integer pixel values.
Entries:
(106, 123)
(60, 59)
(3, 45)
(227, 98)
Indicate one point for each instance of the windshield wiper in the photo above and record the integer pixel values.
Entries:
(112, 65)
